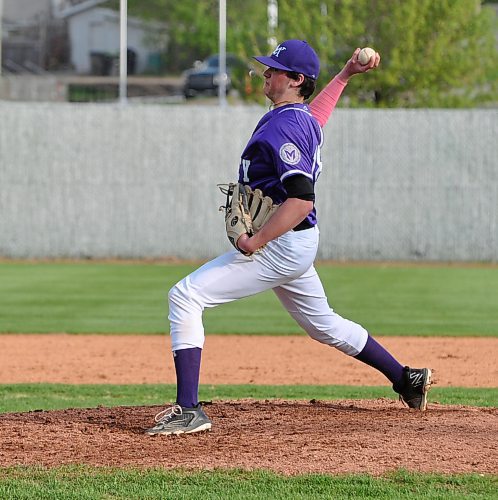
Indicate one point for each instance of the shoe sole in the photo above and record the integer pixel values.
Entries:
(201, 428)
(427, 386)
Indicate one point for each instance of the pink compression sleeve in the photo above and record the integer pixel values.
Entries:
(324, 103)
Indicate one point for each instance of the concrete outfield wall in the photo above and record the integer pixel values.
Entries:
(33, 88)
(140, 181)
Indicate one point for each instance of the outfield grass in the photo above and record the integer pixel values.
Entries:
(132, 298)
(90, 483)
(28, 397)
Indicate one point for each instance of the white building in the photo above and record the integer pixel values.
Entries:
(95, 30)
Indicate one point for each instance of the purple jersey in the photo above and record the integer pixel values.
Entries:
(286, 142)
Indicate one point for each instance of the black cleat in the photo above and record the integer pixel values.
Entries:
(415, 386)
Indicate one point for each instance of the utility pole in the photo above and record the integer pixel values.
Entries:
(222, 56)
(1, 22)
(272, 23)
(123, 55)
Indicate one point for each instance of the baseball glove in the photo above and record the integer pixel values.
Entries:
(238, 219)
(246, 211)
(261, 208)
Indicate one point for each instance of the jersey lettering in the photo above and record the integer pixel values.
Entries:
(245, 168)
(317, 163)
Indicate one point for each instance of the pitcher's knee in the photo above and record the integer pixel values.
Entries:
(332, 341)
(346, 336)
(183, 306)
(174, 295)
(178, 297)
(185, 316)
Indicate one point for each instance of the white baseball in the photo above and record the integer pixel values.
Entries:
(365, 55)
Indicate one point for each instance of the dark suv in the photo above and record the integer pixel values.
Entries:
(204, 77)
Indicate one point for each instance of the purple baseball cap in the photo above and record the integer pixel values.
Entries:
(293, 55)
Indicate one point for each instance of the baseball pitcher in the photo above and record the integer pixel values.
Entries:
(272, 224)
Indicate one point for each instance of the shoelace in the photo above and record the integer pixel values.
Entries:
(167, 414)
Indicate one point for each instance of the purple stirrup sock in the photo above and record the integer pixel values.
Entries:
(187, 366)
(375, 355)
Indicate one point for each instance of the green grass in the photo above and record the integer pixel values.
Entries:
(91, 297)
(92, 93)
(85, 482)
(28, 397)
(81, 482)
(132, 298)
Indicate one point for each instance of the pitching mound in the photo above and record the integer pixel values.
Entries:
(288, 437)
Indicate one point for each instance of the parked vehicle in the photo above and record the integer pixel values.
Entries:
(204, 77)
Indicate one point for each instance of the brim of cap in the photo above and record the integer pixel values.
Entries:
(271, 63)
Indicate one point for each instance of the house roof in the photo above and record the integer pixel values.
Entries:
(72, 7)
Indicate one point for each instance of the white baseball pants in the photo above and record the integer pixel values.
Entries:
(284, 265)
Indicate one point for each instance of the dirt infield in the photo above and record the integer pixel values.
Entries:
(233, 359)
(285, 436)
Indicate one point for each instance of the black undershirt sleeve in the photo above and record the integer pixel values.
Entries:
(299, 186)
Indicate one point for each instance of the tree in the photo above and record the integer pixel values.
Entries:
(434, 53)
